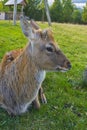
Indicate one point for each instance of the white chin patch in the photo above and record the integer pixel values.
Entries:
(62, 69)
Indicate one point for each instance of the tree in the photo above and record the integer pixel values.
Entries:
(3, 7)
(84, 14)
(47, 11)
(14, 12)
(67, 10)
(33, 10)
(42, 8)
(36, 8)
(77, 16)
(56, 11)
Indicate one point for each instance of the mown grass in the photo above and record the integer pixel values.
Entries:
(67, 97)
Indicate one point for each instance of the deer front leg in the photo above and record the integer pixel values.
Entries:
(42, 96)
(36, 103)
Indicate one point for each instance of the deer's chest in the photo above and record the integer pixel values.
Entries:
(40, 76)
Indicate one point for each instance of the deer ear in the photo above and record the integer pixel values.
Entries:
(26, 27)
(34, 25)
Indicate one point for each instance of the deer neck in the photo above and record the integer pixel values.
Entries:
(25, 61)
(34, 68)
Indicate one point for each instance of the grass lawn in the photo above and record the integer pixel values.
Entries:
(67, 96)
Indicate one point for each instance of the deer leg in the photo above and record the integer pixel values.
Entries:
(36, 103)
(42, 96)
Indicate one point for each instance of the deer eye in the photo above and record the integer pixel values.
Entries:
(49, 48)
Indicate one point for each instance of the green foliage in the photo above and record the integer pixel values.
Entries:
(84, 14)
(77, 16)
(67, 100)
(34, 9)
(61, 11)
(67, 10)
(1, 6)
(4, 8)
(56, 11)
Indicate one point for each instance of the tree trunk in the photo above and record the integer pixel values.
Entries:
(43, 15)
(47, 12)
(15, 12)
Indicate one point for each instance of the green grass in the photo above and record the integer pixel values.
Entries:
(67, 97)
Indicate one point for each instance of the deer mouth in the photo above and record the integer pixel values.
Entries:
(62, 69)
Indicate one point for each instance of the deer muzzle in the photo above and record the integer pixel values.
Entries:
(64, 68)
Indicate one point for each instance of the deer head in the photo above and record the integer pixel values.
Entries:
(44, 51)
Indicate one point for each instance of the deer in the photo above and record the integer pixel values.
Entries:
(22, 73)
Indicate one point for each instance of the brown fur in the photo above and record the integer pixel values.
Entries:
(7, 59)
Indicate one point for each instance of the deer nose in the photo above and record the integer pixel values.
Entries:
(69, 65)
